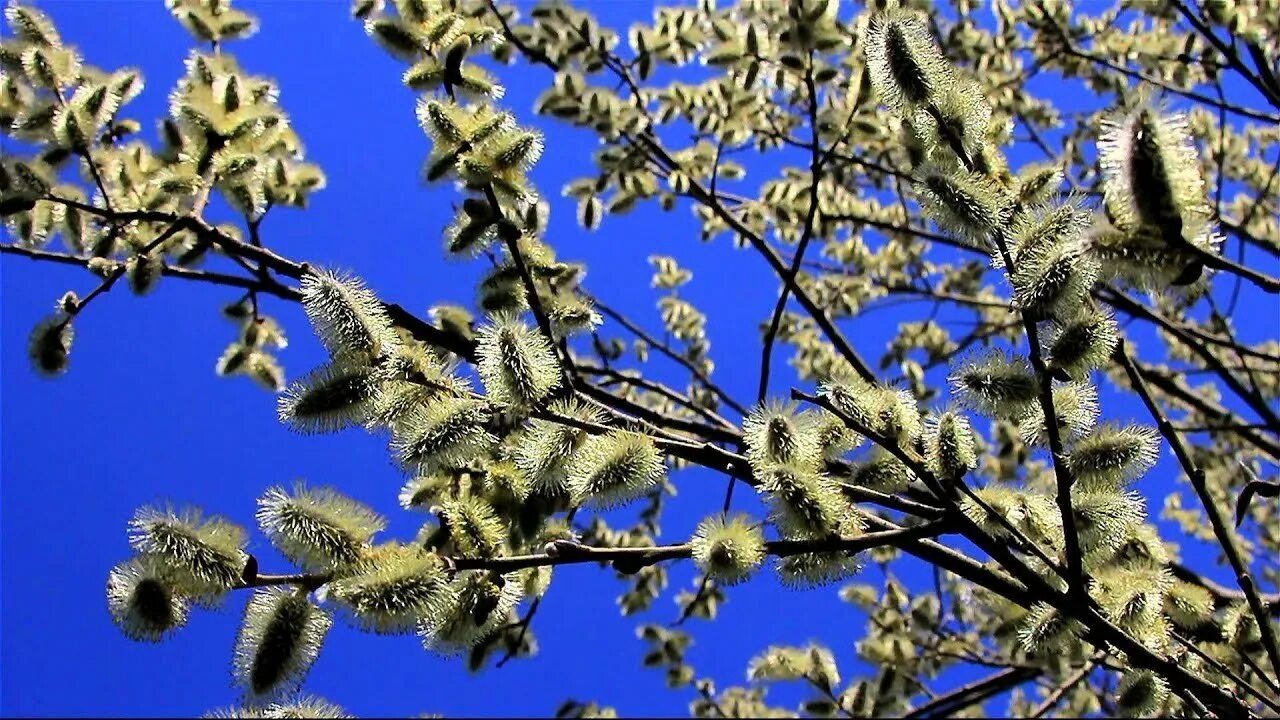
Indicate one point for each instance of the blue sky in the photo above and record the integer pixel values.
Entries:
(141, 416)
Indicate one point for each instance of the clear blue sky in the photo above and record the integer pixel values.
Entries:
(141, 416)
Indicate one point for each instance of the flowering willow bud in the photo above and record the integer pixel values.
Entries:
(330, 398)
(804, 502)
(397, 587)
(1075, 407)
(50, 346)
(474, 527)
(542, 452)
(1141, 693)
(1189, 606)
(996, 384)
(1151, 174)
(304, 706)
(728, 550)
(317, 528)
(906, 66)
(1031, 513)
(950, 446)
(279, 639)
(1053, 280)
(1104, 518)
(966, 204)
(614, 469)
(882, 472)
(955, 126)
(1141, 549)
(775, 434)
(482, 603)
(31, 25)
(1132, 598)
(1114, 455)
(1240, 627)
(1037, 182)
(517, 364)
(347, 316)
(1083, 343)
(1045, 630)
(206, 555)
(1045, 226)
(881, 408)
(804, 571)
(143, 600)
(448, 432)
(410, 379)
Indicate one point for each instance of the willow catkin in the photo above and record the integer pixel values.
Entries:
(394, 589)
(144, 601)
(996, 384)
(950, 445)
(347, 316)
(317, 527)
(1083, 343)
(728, 550)
(279, 639)
(50, 345)
(206, 554)
(1141, 693)
(482, 603)
(775, 434)
(335, 396)
(614, 469)
(517, 364)
(474, 526)
(907, 67)
(969, 205)
(446, 433)
(1113, 455)
(804, 501)
(543, 451)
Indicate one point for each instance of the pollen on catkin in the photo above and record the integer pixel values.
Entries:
(279, 640)
(1104, 518)
(965, 204)
(1113, 455)
(317, 527)
(50, 345)
(517, 364)
(474, 526)
(950, 445)
(996, 384)
(1083, 343)
(332, 397)
(906, 66)
(1141, 693)
(393, 590)
(542, 452)
(347, 316)
(614, 469)
(804, 502)
(1075, 408)
(446, 433)
(206, 554)
(775, 434)
(728, 550)
(1151, 175)
(143, 600)
(482, 603)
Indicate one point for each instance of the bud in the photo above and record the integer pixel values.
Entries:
(448, 432)
(395, 589)
(279, 639)
(1083, 343)
(1075, 406)
(474, 527)
(965, 204)
(614, 469)
(1151, 173)
(804, 502)
(1189, 606)
(348, 317)
(728, 550)
(906, 66)
(50, 346)
(543, 450)
(1105, 518)
(1114, 455)
(206, 555)
(517, 364)
(1044, 630)
(1053, 281)
(950, 445)
(1141, 693)
(996, 384)
(330, 398)
(482, 603)
(776, 435)
(143, 600)
(882, 472)
(317, 528)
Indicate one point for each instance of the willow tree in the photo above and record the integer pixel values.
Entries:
(970, 449)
